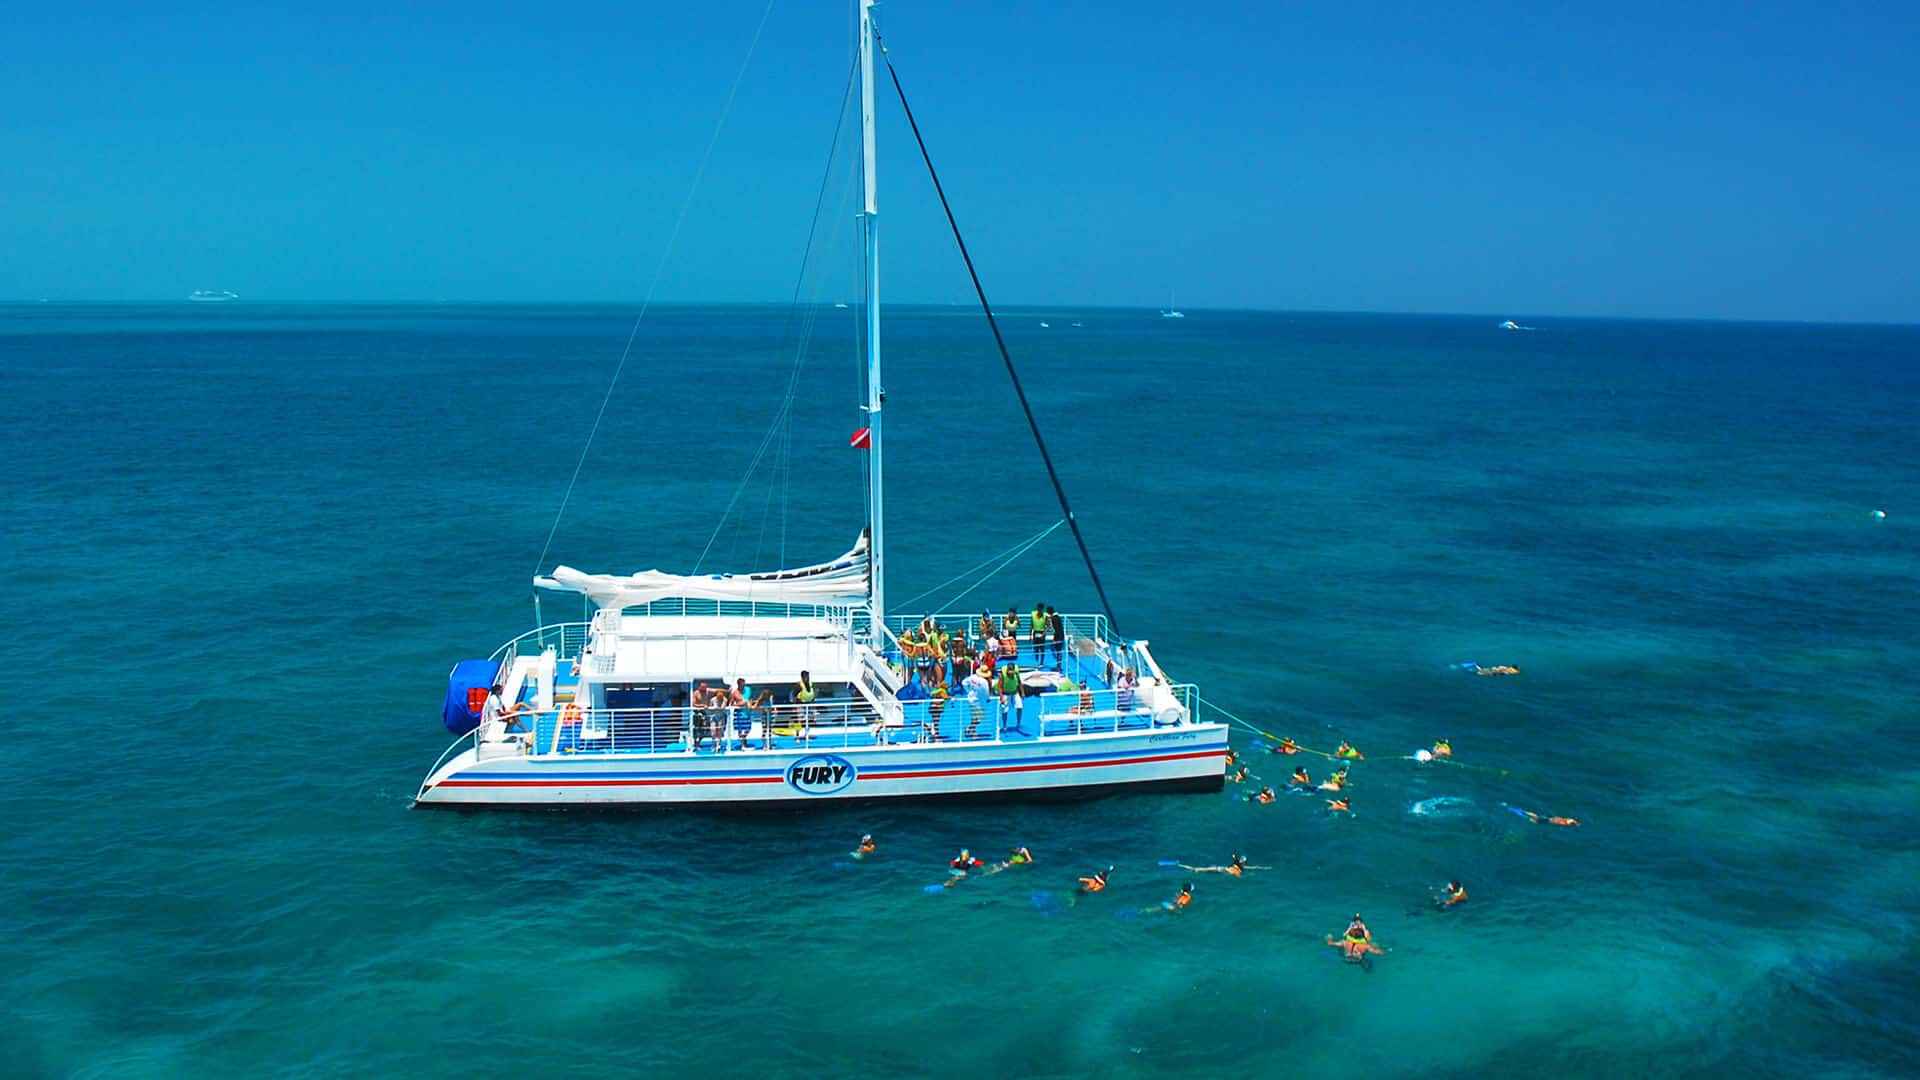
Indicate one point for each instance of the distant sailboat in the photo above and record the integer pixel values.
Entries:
(1173, 311)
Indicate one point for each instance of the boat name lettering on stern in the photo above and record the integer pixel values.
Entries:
(821, 774)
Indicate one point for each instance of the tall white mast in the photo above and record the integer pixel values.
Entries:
(870, 232)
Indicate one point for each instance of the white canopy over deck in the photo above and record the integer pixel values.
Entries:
(841, 581)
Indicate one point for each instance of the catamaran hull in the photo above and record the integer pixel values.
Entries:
(1189, 758)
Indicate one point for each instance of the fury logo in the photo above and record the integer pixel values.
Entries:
(821, 774)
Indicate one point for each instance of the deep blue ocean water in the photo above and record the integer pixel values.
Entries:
(243, 544)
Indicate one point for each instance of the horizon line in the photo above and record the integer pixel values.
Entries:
(1030, 308)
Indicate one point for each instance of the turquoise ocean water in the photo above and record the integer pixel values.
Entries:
(243, 545)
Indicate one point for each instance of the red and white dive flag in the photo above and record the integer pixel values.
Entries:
(861, 440)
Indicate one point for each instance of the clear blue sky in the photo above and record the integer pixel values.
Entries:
(1752, 160)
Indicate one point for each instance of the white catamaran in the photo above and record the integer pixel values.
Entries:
(797, 687)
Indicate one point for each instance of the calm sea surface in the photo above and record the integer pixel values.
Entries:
(243, 544)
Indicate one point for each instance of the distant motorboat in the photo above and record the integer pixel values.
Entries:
(1044, 324)
(840, 305)
(1511, 325)
(1080, 325)
(212, 296)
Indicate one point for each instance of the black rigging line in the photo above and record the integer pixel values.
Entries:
(1000, 341)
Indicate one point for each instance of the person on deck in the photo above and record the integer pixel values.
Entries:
(1010, 703)
(1058, 628)
(496, 711)
(1037, 633)
(978, 690)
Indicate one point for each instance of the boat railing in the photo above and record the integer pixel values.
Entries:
(566, 639)
(1090, 711)
(822, 725)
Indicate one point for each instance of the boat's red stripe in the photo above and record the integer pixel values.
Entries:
(568, 781)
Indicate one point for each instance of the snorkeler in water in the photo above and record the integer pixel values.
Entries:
(1544, 819)
(1236, 865)
(1263, 796)
(1346, 752)
(1454, 893)
(1336, 782)
(1238, 775)
(865, 848)
(1287, 746)
(1497, 669)
(1180, 902)
(1231, 757)
(1095, 883)
(1355, 949)
(1301, 779)
(1339, 806)
(1442, 748)
(1019, 856)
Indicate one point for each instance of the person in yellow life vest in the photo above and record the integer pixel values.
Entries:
(1010, 626)
(1095, 883)
(987, 628)
(1180, 902)
(1008, 676)
(805, 692)
(1454, 893)
(1335, 782)
(865, 848)
(1348, 753)
(1019, 856)
(1442, 748)
(1356, 943)
(1287, 746)
(1301, 779)
(1339, 806)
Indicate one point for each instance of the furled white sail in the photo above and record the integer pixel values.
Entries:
(843, 580)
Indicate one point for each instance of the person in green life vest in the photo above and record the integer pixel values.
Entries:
(1008, 676)
(1037, 632)
(803, 694)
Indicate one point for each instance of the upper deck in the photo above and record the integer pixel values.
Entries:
(893, 696)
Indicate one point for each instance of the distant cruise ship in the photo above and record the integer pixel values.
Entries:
(208, 296)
